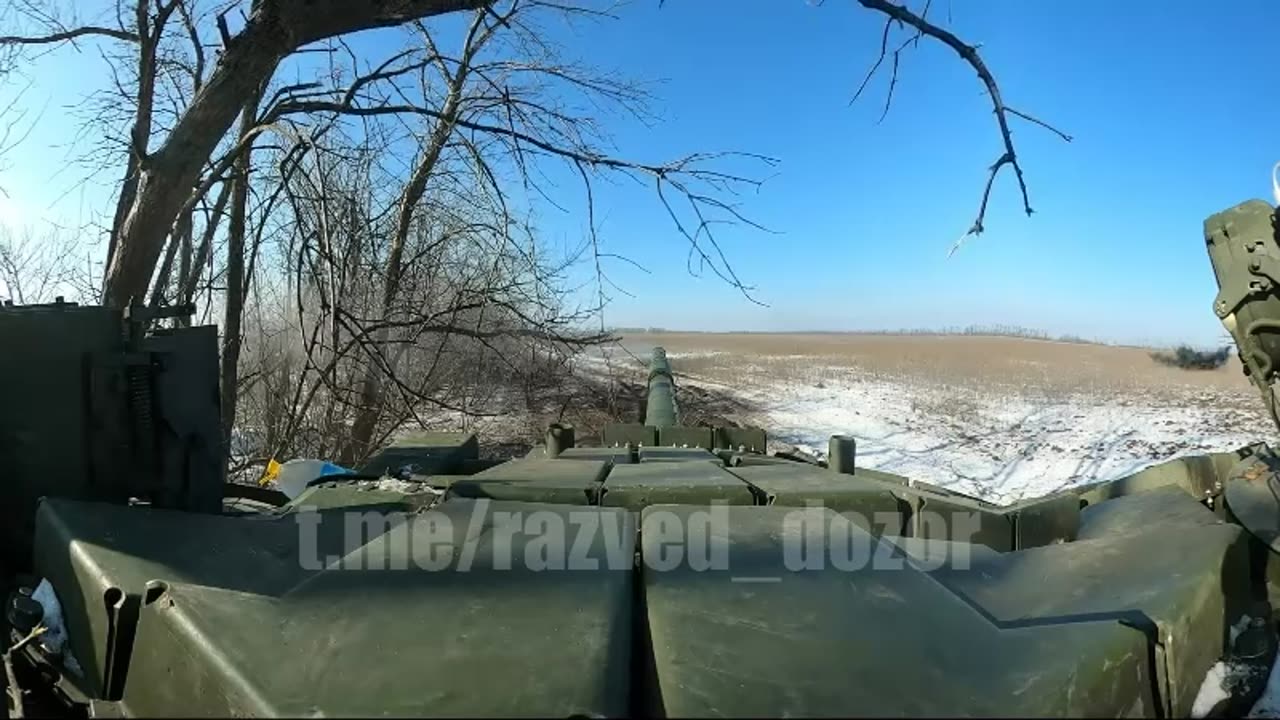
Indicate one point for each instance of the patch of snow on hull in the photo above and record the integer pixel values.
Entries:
(1213, 691)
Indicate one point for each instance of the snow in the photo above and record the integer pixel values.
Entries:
(1213, 691)
(1224, 678)
(1236, 674)
(1003, 443)
(407, 487)
(1001, 446)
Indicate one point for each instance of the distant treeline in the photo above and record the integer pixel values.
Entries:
(998, 330)
(989, 330)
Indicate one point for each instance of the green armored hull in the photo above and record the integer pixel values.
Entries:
(674, 570)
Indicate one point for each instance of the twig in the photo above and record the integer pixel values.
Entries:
(15, 690)
(1039, 122)
(36, 632)
(884, 48)
(893, 83)
(12, 689)
(968, 53)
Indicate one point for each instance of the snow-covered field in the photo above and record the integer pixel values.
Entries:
(1002, 447)
(1011, 419)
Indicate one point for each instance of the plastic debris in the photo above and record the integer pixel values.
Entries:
(293, 476)
(54, 638)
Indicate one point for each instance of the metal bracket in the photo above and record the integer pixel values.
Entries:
(1263, 277)
(145, 314)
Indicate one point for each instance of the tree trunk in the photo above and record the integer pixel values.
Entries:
(169, 174)
(371, 388)
(166, 178)
(181, 237)
(140, 134)
(234, 304)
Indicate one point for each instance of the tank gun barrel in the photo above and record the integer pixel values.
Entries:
(660, 409)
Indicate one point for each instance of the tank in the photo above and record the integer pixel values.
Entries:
(669, 570)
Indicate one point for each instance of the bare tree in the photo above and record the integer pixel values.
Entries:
(37, 265)
(273, 30)
(366, 289)
(469, 306)
(156, 187)
(358, 294)
(157, 182)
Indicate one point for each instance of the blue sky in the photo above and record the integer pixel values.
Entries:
(1171, 105)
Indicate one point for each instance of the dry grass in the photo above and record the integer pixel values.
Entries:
(589, 402)
(965, 362)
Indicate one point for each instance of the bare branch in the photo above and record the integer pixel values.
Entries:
(1039, 122)
(884, 47)
(970, 55)
(69, 35)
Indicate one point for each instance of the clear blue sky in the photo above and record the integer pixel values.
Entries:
(1171, 104)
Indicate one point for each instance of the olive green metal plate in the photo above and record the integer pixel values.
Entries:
(676, 454)
(571, 482)
(1172, 578)
(1045, 521)
(760, 640)
(636, 486)
(1123, 621)
(732, 438)
(424, 453)
(1133, 514)
(870, 505)
(611, 455)
(680, 436)
(622, 434)
(232, 624)
(580, 471)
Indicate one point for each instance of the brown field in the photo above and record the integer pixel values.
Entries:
(960, 360)
(1000, 417)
